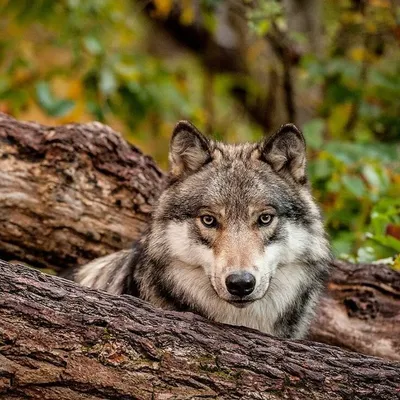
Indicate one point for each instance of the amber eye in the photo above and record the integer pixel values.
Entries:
(208, 221)
(265, 219)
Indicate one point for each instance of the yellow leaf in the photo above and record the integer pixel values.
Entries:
(187, 16)
(396, 264)
(380, 3)
(371, 27)
(163, 7)
(352, 17)
(338, 119)
(358, 53)
(361, 54)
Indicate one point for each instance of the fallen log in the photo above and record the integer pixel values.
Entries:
(72, 193)
(62, 341)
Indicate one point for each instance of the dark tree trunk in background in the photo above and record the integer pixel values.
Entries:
(304, 17)
(72, 193)
(61, 341)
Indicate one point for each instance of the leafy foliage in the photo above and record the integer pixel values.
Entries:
(74, 61)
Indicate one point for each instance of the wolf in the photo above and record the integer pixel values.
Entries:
(235, 236)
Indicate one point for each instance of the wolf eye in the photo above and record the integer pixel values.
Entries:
(265, 219)
(208, 221)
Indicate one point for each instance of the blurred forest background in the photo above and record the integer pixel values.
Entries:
(237, 69)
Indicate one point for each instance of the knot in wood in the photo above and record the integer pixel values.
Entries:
(362, 305)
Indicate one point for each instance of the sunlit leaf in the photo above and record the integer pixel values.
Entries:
(93, 45)
(396, 264)
(313, 132)
(53, 106)
(107, 83)
(354, 184)
(163, 7)
(187, 15)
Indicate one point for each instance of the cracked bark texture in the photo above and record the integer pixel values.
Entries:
(71, 193)
(61, 341)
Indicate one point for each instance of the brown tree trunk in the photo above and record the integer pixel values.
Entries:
(72, 193)
(61, 341)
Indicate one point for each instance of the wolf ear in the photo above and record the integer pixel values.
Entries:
(189, 150)
(285, 152)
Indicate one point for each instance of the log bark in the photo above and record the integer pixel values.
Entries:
(361, 310)
(62, 341)
(71, 193)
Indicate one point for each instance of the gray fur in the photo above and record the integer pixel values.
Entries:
(182, 265)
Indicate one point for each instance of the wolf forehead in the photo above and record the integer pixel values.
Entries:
(234, 182)
(226, 153)
(236, 177)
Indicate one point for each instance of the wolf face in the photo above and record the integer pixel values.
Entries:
(235, 236)
(237, 219)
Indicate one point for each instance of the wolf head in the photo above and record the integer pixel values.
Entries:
(234, 216)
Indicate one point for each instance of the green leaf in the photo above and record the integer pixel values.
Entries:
(313, 132)
(4, 84)
(376, 177)
(388, 241)
(62, 107)
(320, 168)
(354, 185)
(366, 254)
(108, 83)
(53, 106)
(342, 244)
(93, 45)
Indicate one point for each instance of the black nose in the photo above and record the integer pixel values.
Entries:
(240, 283)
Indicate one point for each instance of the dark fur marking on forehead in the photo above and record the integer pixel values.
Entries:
(236, 191)
(181, 208)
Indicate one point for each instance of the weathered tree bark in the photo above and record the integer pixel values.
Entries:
(361, 310)
(72, 193)
(61, 341)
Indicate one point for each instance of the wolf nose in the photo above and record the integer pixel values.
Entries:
(240, 283)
